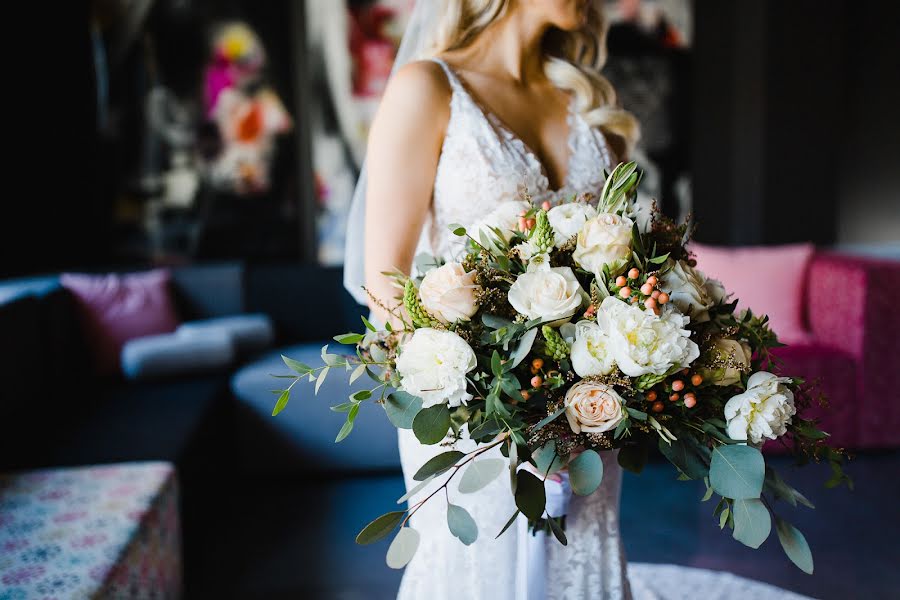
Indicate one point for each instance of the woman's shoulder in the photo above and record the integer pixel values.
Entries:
(421, 81)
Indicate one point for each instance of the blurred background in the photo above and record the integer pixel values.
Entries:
(175, 220)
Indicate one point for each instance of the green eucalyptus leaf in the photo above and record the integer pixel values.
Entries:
(415, 490)
(480, 473)
(282, 402)
(737, 471)
(509, 523)
(321, 378)
(530, 496)
(380, 528)
(548, 419)
(342, 408)
(795, 545)
(402, 408)
(685, 456)
(438, 464)
(368, 324)
(586, 472)
(523, 348)
(403, 548)
(558, 532)
(431, 424)
(547, 460)
(348, 338)
(752, 523)
(461, 524)
(296, 365)
(345, 430)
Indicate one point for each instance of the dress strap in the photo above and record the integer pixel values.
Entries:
(455, 84)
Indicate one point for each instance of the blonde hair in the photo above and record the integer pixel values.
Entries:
(573, 59)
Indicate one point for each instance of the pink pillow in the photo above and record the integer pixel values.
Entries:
(118, 308)
(767, 279)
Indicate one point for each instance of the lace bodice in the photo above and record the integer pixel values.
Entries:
(483, 163)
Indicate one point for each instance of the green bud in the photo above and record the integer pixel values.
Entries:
(555, 346)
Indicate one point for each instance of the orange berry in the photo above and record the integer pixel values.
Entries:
(663, 298)
(523, 213)
(690, 402)
(537, 381)
(634, 273)
(650, 303)
(647, 289)
(655, 294)
(697, 379)
(537, 363)
(526, 394)
(625, 292)
(529, 223)
(658, 407)
(621, 281)
(677, 385)
(545, 205)
(651, 396)
(674, 397)
(652, 280)
(685, 371)
(523, 224)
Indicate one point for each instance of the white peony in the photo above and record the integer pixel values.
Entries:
(433, 366)
(603, 240)
(593, 407)
(591, 351)
(448, 293)
(737, 356)
(763, 411)
(691, 291)
(568, 219)
(643, 342)
(547, 293)
(504, 217)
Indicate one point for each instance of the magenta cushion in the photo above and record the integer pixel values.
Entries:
(118, 308)
(767, 279)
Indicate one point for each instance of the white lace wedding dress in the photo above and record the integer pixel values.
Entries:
(482, 164)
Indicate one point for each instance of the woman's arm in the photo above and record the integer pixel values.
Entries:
(404, 148)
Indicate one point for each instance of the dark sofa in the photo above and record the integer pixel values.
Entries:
(55, 412)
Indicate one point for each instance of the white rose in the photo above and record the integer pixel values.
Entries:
(448, 293)
(504, 217)
(737, 356)
(433, 366)
(643, 342)
(593, 407)
(603, 240)
(568, 219)
(591, 351)
(762, 412)
(547, 293)
(691, 291)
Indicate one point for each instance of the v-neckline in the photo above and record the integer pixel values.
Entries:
(492, 118)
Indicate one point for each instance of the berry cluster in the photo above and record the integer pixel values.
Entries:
(633, 289)
(676, 391)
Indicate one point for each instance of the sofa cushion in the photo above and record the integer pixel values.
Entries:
(307, 303)
(209, 290)
(769, 280)
(91, 532)
(249, 334)
(172, 354)
(302, 435)
(117, 308)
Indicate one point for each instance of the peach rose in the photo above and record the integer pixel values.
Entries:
(593, 407)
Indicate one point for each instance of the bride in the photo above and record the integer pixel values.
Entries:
(505, 96)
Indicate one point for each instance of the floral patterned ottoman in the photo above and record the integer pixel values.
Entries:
(90, 532)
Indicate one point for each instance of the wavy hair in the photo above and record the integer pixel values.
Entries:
(573, 62)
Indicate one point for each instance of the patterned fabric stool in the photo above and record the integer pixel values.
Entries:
(106, 532)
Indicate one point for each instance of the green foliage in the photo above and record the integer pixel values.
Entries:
(795, 545)
(530, 495)
(691, 458)
(438, 464)
(461, 524)
(752, 523)
(380, 528)
(547, 460)
(480, 473)
(586, 472)
(737, 471)
(542, 237)
(403, 548)
(402, 408)
(431, 424)
(633, 457)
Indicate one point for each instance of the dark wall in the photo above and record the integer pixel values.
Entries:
(787, 97)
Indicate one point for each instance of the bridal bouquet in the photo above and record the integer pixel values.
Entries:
(567, 331)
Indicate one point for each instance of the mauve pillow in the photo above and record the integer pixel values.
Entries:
(767, 279)
(117, 308)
